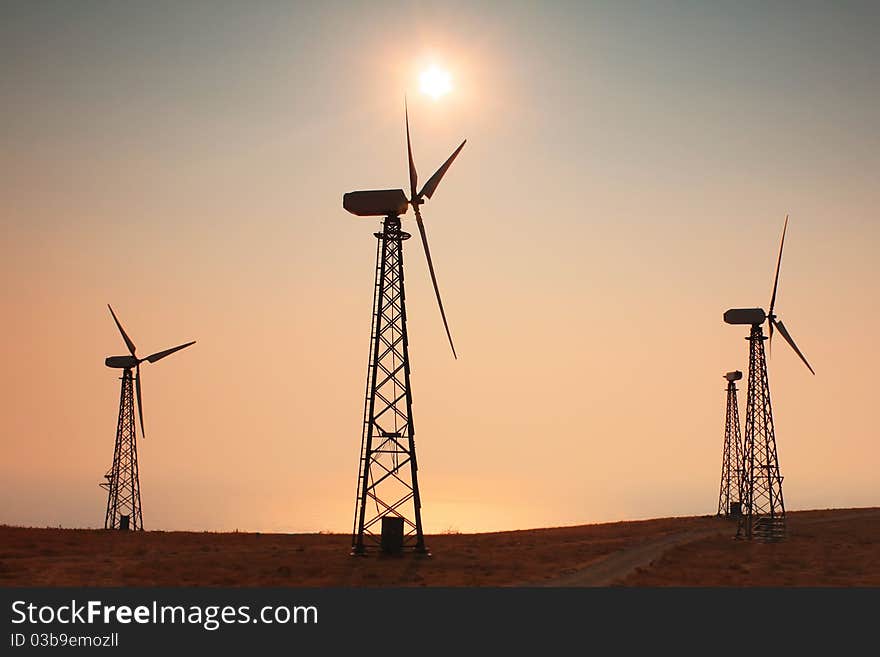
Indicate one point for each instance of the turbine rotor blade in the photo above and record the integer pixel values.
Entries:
(159, 355)
(778, 264)
(128, 342)
(433, 276)
(431, 186)
(140, 401)
(784, 332)
(413, 175)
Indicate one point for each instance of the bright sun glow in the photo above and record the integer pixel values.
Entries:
(435, 82)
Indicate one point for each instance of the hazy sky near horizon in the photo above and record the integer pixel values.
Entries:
(627, 172)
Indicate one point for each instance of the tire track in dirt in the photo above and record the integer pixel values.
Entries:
(618, 565)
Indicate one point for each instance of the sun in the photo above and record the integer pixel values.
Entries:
(435, 82)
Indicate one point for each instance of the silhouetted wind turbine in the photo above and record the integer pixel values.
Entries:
(388, 440)
(123, 484)
(763, 506)
(731, 454)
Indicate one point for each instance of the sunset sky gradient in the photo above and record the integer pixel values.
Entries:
(625, 180)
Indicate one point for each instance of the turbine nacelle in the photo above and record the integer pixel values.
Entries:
(121, 362)
(751, 316)
(736, 375)
(376, 202)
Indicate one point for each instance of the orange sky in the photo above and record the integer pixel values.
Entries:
(625, 179)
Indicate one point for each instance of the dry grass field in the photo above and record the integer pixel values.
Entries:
(825, 548)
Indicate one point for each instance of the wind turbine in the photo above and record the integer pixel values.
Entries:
(763, 506)
(122, 480)
(731, 454)
(387, 472)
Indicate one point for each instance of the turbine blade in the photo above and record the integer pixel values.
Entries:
(434, 277)
(433, 181)
(159, 355)
(413, 175)
(784, 332)
(140, 401)
(125, 337)
(770, 341)
(778, 263)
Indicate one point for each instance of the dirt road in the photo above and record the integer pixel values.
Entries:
(617, 566)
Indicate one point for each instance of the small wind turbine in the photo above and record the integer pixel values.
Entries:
(387, 475)
(122, 481)
(730, 493)
(763, 506)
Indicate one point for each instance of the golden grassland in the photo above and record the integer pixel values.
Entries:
(838, 547)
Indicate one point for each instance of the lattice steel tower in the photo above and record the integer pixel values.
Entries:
(764, 507)
(762, 504)
(730, 495)
(388, 482)
(122, 481)
(388, 506)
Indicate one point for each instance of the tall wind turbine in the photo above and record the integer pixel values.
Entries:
(388, 505)
(122, 480)
(762, 504)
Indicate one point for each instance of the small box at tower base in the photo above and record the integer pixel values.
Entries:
(736, 509)
(392, 534)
